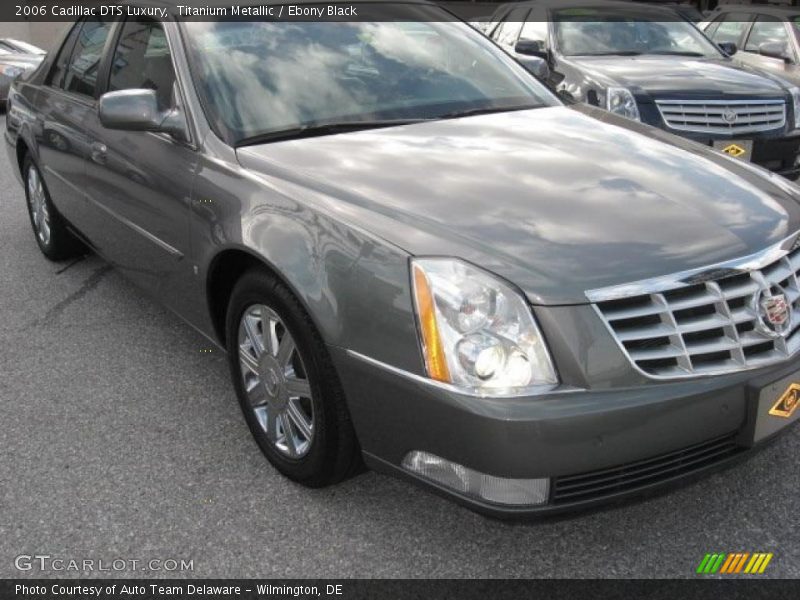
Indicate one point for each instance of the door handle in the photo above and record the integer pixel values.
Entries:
(99, 153)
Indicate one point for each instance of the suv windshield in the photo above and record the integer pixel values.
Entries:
(263, 79)
(607, 32)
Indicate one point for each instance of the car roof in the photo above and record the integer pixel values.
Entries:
(613, 4)
(761, 9)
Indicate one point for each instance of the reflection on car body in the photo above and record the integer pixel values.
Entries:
(17, 58)
(646, 63)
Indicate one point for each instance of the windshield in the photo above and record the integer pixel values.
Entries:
(258, 78)
(591, 32)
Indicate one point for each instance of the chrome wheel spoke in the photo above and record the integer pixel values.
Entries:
(271, 334)
(251, 322)
(299, 420)
(261, 416)
(257, 394)
(298, 388)
(248, 361)
(271, 425)
(285, 350)
(288, 434)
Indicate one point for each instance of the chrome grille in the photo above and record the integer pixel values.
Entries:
(723, 116)
(707, 323)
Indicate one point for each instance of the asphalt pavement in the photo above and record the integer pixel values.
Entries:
(121, 438)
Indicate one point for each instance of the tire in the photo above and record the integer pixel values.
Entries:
(301, 388)
(55, 241)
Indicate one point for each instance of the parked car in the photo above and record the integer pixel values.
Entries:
(424, 259)
(13, 63)
(767, 37)
(12, 46)
(645, 63)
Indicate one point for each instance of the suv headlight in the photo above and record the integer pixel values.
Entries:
(621, 101)
(796, 102)
(478, 333)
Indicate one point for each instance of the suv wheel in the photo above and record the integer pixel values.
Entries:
(286, 384)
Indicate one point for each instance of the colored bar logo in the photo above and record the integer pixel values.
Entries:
(734, 563)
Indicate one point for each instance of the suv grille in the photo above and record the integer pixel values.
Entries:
(723, 116)
(728, 322)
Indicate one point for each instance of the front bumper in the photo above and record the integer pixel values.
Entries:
(777, 151)
(594, 446)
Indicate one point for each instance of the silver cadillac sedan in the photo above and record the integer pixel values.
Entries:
(417, 258)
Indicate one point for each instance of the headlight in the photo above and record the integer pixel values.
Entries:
(11, 71)
(796, 101)
(621, 101)
(478, 333)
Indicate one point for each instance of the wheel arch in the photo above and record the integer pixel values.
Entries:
(24, 146)
(224, 271)
(22, 151)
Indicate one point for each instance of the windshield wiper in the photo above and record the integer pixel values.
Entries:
(319, 129)
(613, 53)
(676, 53)
(471, 112)
(643, 53)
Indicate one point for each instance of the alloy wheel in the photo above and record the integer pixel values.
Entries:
(275, 381)
(37, 201)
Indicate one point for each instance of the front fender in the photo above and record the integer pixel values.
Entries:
(20, 129)
(355, 287)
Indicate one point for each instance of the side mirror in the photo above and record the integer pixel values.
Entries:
(728, 48)
(538, 67)
(775, 50)
(531, 48)
(137, 110)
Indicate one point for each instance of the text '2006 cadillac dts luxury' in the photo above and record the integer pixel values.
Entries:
(418, 258)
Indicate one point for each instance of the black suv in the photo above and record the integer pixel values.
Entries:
(649, 64)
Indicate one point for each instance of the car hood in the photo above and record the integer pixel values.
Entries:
(557, 200)
(682, 76)
(20, 60)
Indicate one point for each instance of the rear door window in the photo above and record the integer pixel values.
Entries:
(84, 65)
(56, 77)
